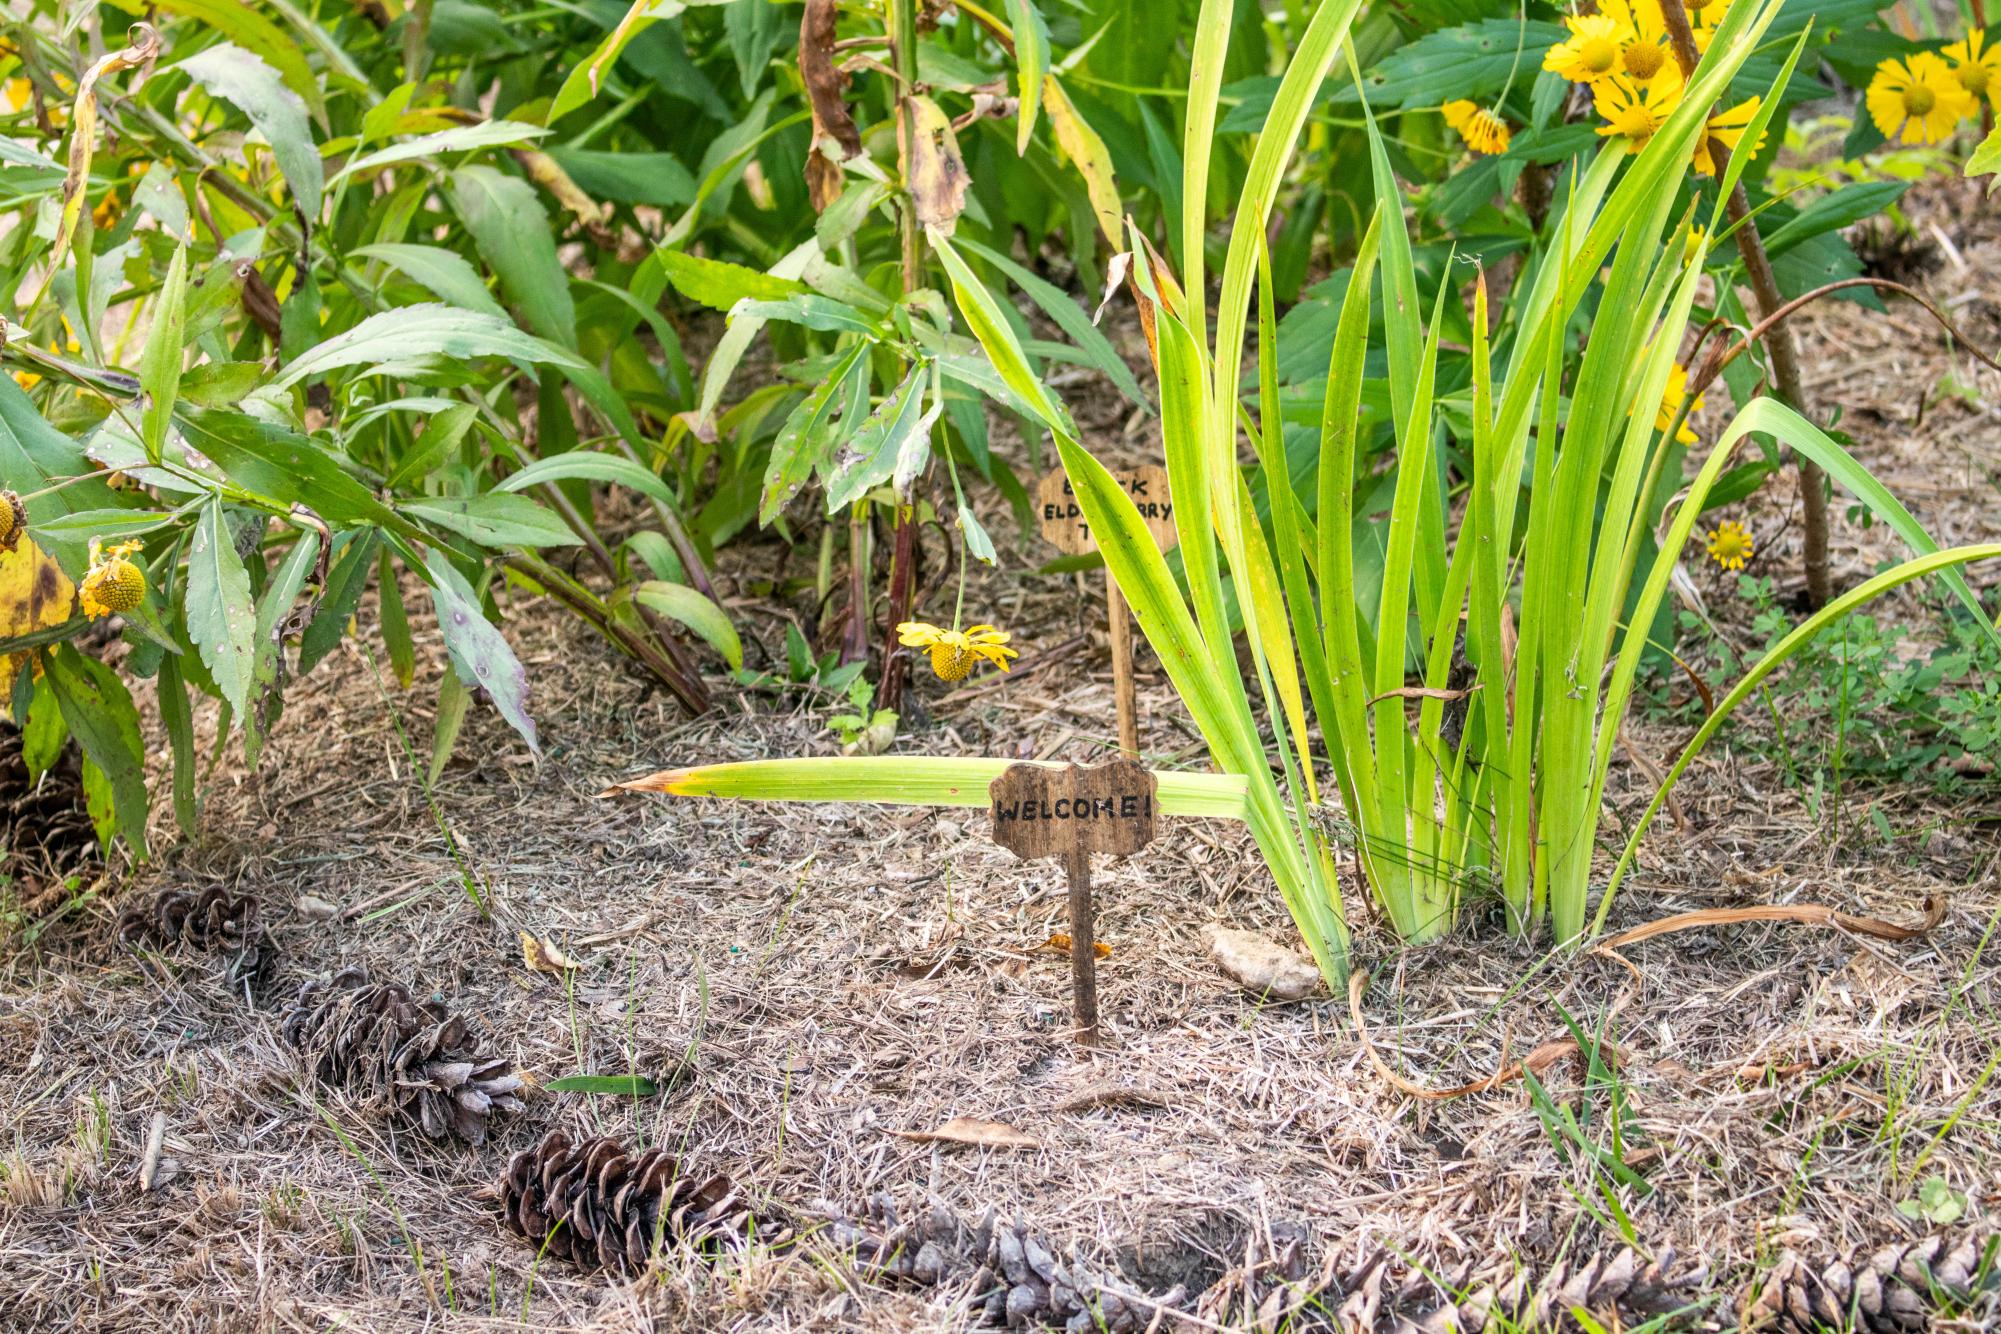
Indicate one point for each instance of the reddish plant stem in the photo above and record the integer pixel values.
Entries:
(903, 553)
(1780, 349)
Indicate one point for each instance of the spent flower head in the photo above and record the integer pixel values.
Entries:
(954, 653)
(1730, 544)
(113, 584)
(1483, 131)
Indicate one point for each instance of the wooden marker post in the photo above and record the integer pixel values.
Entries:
(1042, 810)
(1064, 527)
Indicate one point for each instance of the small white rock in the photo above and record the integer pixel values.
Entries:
(1263, 967)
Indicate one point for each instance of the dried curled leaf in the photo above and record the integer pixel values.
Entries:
(541, 955)
(1059, 941)
(142, 47)
(835, 138)
(974, 1131)
(933, 170)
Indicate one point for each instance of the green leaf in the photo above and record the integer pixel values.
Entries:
(221, 622)
(508, 224)
(283, 466)
(1069, 317)
(395, 622)
(753, 27)
(1986, 159)
(585, 81)
(453, 702)
(396, 338)
(446, 274)
(807, 437)
(1831, 212)
(236, 75)
(868, 459)
(584, 465)
(719, 285)
(457, 139)
(1031, 58)
(657, 554)
(346, 578)
(160, 364)
(628, 178)
(479, 653)
(977, 542)
(281, 593)
(101, 716)
(617, 1086)
(680, 603)
(496, 519)
(813, 311)
(221, 384)
(238, 22)
(171, 692)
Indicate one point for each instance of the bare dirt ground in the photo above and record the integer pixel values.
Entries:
(807, 982)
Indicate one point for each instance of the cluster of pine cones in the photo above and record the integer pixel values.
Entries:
(415, 1057)
(212, 920)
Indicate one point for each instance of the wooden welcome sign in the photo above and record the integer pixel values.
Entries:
(1065, 528)
(1071, 812)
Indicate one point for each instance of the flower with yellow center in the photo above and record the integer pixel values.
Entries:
(954, 653)
(1483, 131)
(1591, 52)
(1917, 100)
(13, 519)
(1720, 136)
(1635, 111)
(1703, 18)
(1671, 401)
(114, 584)
(1730, 544)
(1976, 65)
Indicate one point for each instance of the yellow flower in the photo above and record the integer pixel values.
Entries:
(1635, 111)
(1591, 52)
(1730, 544)
(1719, 139)
(114, 583)
(1671, 401)
(1976, 65)
(1483, 131)
(16, 95)
(954, 653)
(1703, 17)
(1918, 100)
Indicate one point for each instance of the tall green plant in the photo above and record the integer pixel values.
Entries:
(1443, 784)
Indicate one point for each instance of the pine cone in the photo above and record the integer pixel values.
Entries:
(419, 1059)
(213, 920)
(1016, 1277)
(596, 1204)
(1890, 1292)
(46, 825)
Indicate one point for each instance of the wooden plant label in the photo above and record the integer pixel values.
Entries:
(1045, 811)
(1063, 524)
(1072, 812)
(1065, 528)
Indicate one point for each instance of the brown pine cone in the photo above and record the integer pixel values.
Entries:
(1016, 1277)
(1890, 1292)
(212, 920)
(418, 1059)
(599, 1206)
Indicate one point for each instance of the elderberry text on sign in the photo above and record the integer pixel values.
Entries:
(1065, 528)
(1044, 810)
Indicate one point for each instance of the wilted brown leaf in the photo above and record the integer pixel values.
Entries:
(933, 171)
(542, 955)
(972, 1130)
(1059, 941)
(143, 46)
(835, 138)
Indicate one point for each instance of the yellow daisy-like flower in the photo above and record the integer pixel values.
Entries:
(1635, 111)
(1730, 544)
(1719, 138)
(1483, 131)
(1918, 100)
(1591, 52)
(114, 584)
(1703, 18)
(954, 653)
(1671, 401)
(1976, 65)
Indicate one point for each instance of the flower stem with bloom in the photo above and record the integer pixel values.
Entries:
(114, 584)
(954, 653)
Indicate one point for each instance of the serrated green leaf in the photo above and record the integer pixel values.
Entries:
(718, 284)
(512, 230)
(221, 620)
(238, 76)
(160, 364)
(446, 274)
(479, 653)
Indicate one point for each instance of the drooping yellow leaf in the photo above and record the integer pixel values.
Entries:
(35, 594)
(933, 170)
(1086, 151)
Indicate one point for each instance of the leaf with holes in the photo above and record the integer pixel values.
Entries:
(479, 653)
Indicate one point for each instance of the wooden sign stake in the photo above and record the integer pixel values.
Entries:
(1046, 810)
(1064, 527)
